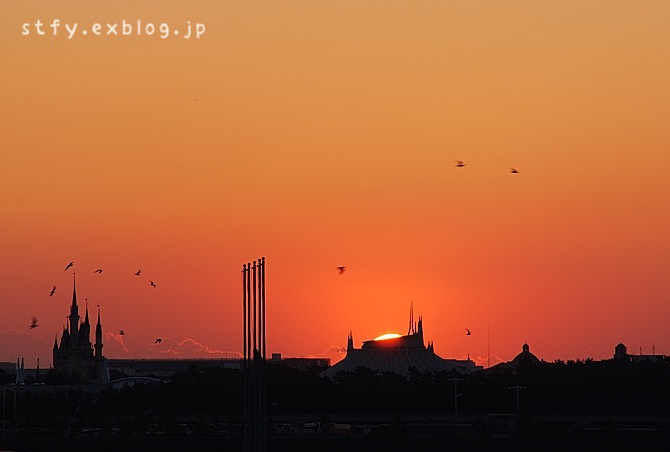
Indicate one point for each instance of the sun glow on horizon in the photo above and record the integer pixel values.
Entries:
(386, 336)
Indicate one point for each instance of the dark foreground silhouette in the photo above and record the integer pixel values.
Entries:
(574, 405)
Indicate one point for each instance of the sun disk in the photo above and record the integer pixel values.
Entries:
(387, 336)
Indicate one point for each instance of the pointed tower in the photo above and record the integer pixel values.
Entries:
(74, 312)
(350, 342)
(85, 329)
(98, 337)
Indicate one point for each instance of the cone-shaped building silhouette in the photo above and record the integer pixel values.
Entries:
(399, 355)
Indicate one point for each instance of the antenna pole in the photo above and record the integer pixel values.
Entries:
(488, 344)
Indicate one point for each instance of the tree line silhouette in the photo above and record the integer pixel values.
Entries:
(560, 387)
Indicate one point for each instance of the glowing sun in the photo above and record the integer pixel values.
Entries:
(383, 337)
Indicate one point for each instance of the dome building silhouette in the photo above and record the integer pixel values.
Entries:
(525, 358)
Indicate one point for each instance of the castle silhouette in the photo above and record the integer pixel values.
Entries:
(75, 357)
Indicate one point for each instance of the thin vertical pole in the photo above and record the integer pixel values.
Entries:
(255, 304)
(246, 308)
(254, 373)
(253, 301)
(261, 295)
(244, 368)
(263, 358)
(249, 304)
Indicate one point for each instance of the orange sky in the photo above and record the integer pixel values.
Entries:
(320, 134)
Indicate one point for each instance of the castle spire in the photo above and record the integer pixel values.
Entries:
(74, 312)
(411, 328)
(74, 293)
(98, 337)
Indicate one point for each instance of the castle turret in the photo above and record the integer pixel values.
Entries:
(85, 328)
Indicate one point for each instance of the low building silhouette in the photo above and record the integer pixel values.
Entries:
(167, 367)
(308, 364)
(621, 355)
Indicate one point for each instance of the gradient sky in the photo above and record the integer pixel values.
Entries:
(320, 134)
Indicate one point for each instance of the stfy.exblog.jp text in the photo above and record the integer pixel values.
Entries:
(123, 28)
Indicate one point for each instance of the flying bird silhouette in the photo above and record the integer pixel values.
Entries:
(158, 341)
(53, 291)
(460, 164)
(98, 270)
(468, 332)
(152, 284)
(137, 273)
(513, 170)
(33, 324)
(341, 269)
(121, 332)
(69, 265)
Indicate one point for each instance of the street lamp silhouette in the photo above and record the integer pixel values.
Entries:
(455, 380)
(517, 388)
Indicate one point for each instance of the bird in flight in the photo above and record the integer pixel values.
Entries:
(341, 269)
(121, 332)
(98, 270)
(53, 291)
(33, 324)
(152, 284)
(468, 332)
(69, 265)
(158, 341)
(460, 164)
(137, 273)
(513, 170)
